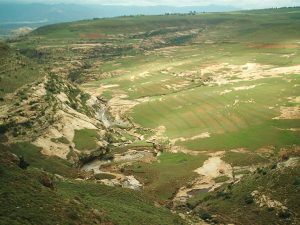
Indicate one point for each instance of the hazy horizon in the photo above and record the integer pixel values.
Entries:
(242, 4)
(15, 14)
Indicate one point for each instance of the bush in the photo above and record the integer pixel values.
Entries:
(205, 216)
(284, 214)
(274, 166)
(47, 181)
(102, 176)
(22, 163)
(248, 199)
(296, 182)
(283, 155)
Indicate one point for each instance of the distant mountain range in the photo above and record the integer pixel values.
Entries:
(14, 16)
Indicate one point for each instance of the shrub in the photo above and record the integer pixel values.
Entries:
(47, 181)
(284, 214)
(283, 155)
(205, 216)
(22, 163)
(248, 199)
(102, 176)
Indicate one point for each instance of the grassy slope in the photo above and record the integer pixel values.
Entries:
(85, 139)
(165, 177)
(27, 201)
(36, 159)
(230, 203)
(15, 70)
(122, 206)
(250, 21)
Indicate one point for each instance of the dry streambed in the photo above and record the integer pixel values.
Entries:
(114, 166)
(211, 169)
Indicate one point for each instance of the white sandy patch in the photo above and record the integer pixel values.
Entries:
(225, 92)
(288, 55)
(160, 130)
(294, 99)
(239, 150)
(199, 136)
(68, 122)
(110, 86)
(291, 162)
(289, 113)
(178, 149)
(244, 87)
(126, 182)
(144, 74)
(236, 101)
(62, 97)
(265, 201)
(284, 70)
(40, 90)
(222, 73)
(214, 167)
(52, 149)
(131, 183)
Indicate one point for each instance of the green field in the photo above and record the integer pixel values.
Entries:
(86, 139)
(167, 175)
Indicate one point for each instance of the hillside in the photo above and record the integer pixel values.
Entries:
(17, 17)
(174, 119)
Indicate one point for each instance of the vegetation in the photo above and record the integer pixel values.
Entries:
(230, 202)
(164, 177)
(28, 201)
(122, 206)
(244, 159)
(166, 93)
(36, 159)
(16, 70)
(86, 139)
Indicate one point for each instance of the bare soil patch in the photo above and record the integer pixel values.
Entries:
(91, 36)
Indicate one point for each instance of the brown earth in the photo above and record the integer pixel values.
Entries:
(91, 36)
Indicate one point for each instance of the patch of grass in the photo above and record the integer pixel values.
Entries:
(27, 201)
(35, 158)
(122, 206)
(221, 179)
(16, 70)
(71, 202)
(102, 176)
(242, 172)
(86, 139)
(62, 140)
(251, 138)
(196, 199)
(164, 177)
(243, 159)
